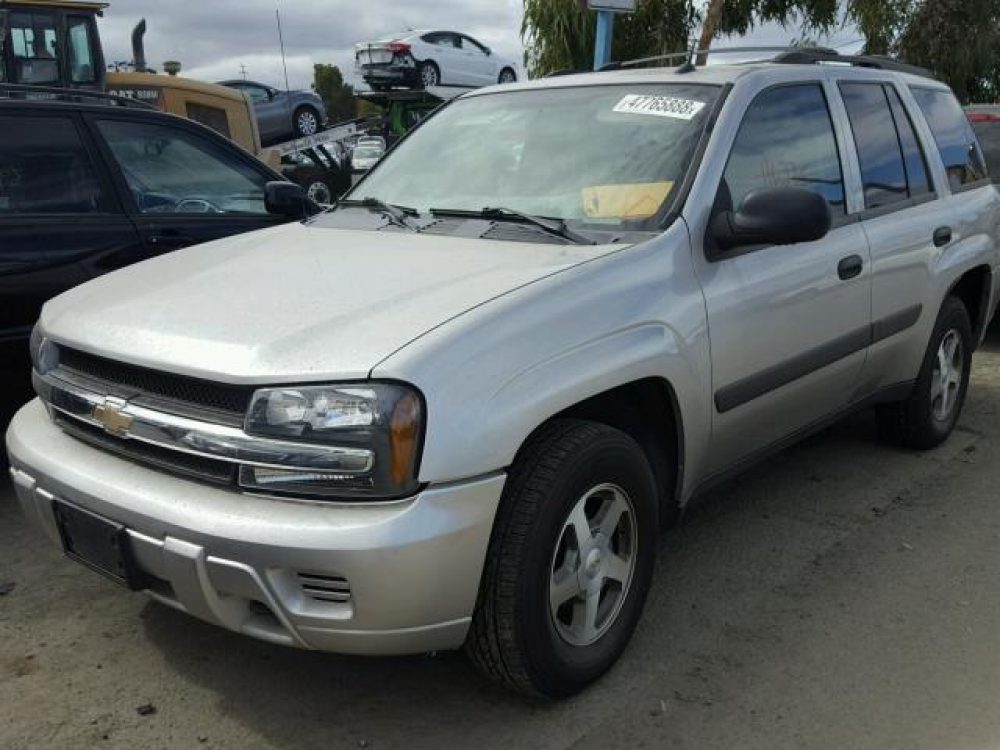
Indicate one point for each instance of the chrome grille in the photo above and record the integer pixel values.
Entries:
(194, 467)
(176, 394)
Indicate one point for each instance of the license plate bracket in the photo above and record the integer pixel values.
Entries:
(98, 543)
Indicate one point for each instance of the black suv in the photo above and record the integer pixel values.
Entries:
(90, 183)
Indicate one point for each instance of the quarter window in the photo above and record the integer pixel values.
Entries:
(172, 170)
(45, 168)
(787, 139)
(880, 151)
(960, 151)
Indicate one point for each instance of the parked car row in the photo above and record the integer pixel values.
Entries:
(454, 410)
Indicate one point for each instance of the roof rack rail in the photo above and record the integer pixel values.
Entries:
(785, 55)
(816, 56)
(83, 96)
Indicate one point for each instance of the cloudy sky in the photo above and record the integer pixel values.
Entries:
(212, 38)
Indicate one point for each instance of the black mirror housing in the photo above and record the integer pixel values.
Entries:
(288, 199)
(773, 216)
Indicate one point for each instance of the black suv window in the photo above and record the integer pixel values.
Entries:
(45, 168)
(787, 139)
(172, 170)
(963, 159)
(890, 172)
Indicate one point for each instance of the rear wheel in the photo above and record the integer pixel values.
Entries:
(320, 192)
(507, 76)
(430, 75)
(570, 561)
(929, 415)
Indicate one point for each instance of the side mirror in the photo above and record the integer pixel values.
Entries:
(288, 199)
(271, 93)
(773, 216)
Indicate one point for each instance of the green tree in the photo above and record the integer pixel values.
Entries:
(960, 41)
(337, 95)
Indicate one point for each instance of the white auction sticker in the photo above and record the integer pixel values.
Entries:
(660, 106)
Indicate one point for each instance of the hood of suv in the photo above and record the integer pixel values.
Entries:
(294, 303)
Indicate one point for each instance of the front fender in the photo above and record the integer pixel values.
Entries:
(494, 375)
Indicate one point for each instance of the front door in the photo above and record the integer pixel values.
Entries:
(790, 325)
(60, 224)
(186, 185)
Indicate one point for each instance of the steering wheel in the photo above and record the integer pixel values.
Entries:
(196, 206)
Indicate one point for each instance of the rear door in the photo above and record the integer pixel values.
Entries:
(903, 220)
(182, 183)
(60, 221)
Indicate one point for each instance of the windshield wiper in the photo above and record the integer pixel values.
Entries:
(398, 215)
(555, 227)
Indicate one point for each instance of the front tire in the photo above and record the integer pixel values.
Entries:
(928, 417)
(507, 76)
(570, 561)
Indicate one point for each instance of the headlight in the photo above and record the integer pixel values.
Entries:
(382, 421)
(44, 353)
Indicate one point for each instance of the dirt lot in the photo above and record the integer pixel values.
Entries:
(843, 595)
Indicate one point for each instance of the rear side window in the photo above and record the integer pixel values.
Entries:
(963, 159)
(987, 127)
(892, 166)
(45, 168)
(787, 139)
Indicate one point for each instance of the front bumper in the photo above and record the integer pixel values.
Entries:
(406, 575)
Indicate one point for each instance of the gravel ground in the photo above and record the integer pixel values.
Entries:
(843, 595)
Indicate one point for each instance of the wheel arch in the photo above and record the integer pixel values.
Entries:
(648, 410)
(974, 289)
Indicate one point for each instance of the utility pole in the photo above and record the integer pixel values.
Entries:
(243, 71)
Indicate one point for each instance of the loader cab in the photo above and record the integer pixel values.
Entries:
(51, 43)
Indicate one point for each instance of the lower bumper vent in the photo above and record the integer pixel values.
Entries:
(324, 588)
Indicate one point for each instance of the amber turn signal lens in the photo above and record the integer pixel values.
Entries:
(404, 435)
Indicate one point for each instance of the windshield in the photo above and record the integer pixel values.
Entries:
(598, 156)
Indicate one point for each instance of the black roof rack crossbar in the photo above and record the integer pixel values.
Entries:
(84, 96)
(785, 55)
(815, 56)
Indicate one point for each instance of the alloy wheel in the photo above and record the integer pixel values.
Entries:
(429, 76)
(319, 192)
(307, 123)
(593, 565)
(946, 380)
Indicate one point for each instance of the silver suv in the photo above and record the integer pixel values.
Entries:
(456, 409)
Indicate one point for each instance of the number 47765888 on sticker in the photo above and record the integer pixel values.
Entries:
(660, 106)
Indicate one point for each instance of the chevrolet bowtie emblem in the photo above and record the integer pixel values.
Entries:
(111, 415)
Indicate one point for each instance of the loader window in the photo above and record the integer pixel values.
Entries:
(81, 54)
(33, 37)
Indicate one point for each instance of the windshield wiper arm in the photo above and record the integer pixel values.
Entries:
(555, 227)
(398, 215)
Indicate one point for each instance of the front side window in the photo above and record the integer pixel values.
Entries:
(787, 140)
(599, 157)
(258, 94)
(172, 170)
(45, 168)
(883, 173)
(33, 38)
(960, 151)
(81, 55)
